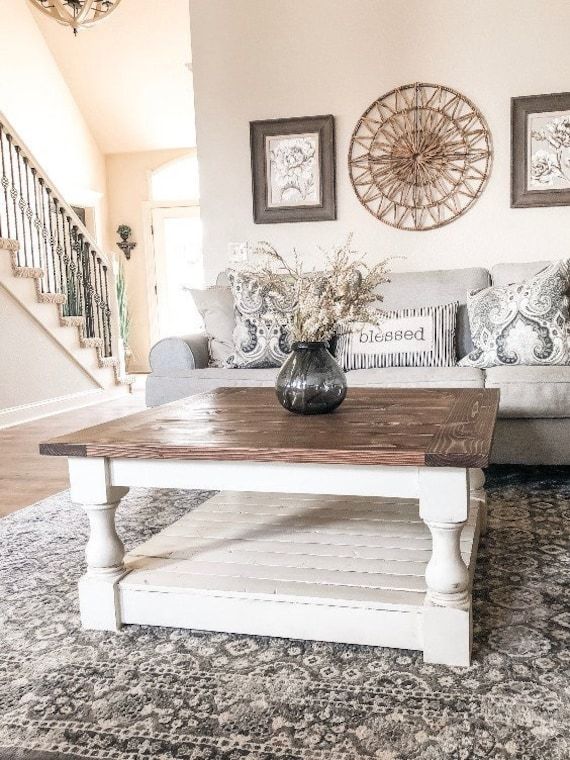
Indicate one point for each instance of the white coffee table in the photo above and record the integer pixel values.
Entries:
(360, 526)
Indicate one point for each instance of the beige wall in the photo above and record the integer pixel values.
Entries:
(36, 100)
(27, 377)
(268, 59)
(128, 192)
(129, 74)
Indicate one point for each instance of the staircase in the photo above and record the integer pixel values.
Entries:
(53, 267)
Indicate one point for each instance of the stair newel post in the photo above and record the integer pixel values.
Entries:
(5, 231)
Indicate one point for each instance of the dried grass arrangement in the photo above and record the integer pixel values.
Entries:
(345, 290)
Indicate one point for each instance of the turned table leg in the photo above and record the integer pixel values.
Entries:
(98, 591)
(447, 628)
(477, 488)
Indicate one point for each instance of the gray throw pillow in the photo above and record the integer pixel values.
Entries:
(216, 307)
(262, 333)
(525, 323)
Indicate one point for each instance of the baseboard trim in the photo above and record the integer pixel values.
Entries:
(16, 415)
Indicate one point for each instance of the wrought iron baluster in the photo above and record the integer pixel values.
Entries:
(5, 184)
(37, 220)
(108, 344)
(59, 250)
(45, 215)
(46, 235)
(22, 206)
(80, 252)
(102, 306)
(89, 326)
(29, 215)
(58, 245)
(96, 296)
(74, 278)
(22, 254)
(69, 285)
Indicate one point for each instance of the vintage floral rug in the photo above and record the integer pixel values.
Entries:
(68, 694)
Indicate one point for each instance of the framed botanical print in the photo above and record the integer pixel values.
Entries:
(293, 169)
(540, 132)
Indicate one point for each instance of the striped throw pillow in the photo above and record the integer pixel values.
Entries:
(423, 337)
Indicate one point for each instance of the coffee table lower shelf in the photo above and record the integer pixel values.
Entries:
(330, 568)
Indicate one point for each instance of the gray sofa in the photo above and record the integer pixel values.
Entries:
(534, 413)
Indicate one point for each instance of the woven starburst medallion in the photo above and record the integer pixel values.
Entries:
(420, 156)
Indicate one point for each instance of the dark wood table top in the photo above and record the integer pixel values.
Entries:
(374, 426)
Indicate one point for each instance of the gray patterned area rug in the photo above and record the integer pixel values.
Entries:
(68, 694)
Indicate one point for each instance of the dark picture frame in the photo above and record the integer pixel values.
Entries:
(538, 157)
(293, 169)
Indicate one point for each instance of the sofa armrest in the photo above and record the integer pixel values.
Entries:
(171, 354)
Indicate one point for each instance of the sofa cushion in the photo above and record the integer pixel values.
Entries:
(531, 391)
(507, 274)
(418, 377)
(182, 383)
(186, 382)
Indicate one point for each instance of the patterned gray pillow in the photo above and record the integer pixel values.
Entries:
(262, 332)
(524, 323)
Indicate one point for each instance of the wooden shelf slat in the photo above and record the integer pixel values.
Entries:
(205, 553)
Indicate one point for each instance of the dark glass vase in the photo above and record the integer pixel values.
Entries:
(310, 380)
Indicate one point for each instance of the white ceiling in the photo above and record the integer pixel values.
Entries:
(129, 74)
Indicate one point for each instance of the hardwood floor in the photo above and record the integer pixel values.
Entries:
(27, 477)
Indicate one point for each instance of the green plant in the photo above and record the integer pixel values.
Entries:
(123, 306)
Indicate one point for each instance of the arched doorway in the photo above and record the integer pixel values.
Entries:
(176, 235)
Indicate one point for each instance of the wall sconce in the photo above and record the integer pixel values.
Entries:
(126, 245)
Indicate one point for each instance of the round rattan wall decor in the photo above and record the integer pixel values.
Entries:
(420, 156)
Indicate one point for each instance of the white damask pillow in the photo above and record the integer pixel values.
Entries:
(262, 332)
(216, 307)
(525, 323)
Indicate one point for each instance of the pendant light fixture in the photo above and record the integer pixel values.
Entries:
(78, 14)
